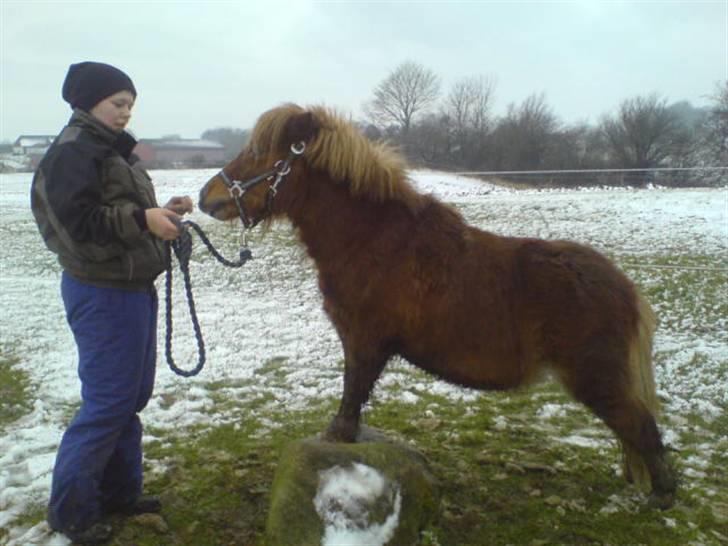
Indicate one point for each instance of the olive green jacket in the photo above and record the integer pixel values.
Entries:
(88, 199)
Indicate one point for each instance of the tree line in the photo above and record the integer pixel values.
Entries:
(455, 129)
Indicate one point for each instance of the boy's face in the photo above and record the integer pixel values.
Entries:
(115, 110)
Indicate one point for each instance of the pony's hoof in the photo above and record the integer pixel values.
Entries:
(338, 434)
(661, 502)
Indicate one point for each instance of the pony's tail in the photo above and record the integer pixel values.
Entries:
(643, 386)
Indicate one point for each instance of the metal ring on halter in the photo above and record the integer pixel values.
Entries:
(284, 167)
(236, 186)
(298, 148)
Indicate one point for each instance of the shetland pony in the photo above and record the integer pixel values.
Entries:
(402, 274)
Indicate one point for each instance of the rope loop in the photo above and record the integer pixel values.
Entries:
(182, 249)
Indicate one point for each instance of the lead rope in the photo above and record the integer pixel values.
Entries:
(182, 248)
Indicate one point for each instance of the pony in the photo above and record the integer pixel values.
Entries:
(401, 273)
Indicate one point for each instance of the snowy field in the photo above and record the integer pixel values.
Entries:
(271, 310)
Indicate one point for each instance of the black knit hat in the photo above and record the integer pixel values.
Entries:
(89, 83)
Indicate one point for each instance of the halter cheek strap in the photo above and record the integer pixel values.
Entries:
(237, 190)
(280, 170)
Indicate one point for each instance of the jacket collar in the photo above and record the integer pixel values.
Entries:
(122, 142)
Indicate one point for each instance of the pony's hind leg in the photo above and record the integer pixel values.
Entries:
(644, 452)
(609, 398)
(360, 373)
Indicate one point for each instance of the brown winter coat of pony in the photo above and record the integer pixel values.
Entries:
(402, 273)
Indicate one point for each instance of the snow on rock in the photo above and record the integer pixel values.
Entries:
(344, 502)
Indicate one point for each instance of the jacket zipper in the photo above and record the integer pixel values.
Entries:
(131, 266)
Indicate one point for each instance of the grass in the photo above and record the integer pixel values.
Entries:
(686, 299)
(513, 484)
(500, 485)
(15, 397)
(15, 401)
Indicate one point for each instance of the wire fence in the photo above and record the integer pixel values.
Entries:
(658, 176)
(723, 270)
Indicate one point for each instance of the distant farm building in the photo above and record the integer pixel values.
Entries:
(160, 153)
(154, 153)
(33, 147)
(25, 153)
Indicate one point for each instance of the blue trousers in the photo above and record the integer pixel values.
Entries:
(99, 461)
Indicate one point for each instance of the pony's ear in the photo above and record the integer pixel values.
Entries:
(302, 127)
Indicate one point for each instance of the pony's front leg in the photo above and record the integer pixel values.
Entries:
(360, 373)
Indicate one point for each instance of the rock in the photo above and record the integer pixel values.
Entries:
(450, 516)
(486, 458)
(166, 400)
(377, 488)
(221, 457)
(537, 467)
(514, 468)
(553, 500)
(152, 521)
(430, 423)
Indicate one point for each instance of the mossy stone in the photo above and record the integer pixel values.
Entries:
(292, 518)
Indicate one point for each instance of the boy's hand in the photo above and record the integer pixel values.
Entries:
(180, 204)
(159, 222)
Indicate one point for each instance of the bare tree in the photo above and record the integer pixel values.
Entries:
(642, 134)
(524, 135)
(716, 126)
(430, 141)
(468, 108)
(408, 90)
(711, 147)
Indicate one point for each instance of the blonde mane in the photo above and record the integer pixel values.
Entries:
(372, 170)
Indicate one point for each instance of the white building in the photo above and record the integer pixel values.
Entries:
(32, 145)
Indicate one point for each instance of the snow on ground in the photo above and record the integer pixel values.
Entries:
(267, 312)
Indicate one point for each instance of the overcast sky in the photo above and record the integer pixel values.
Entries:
(205, 64)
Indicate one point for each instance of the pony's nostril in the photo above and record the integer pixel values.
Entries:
(213, 206)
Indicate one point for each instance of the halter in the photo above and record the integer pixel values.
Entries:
(280, 170)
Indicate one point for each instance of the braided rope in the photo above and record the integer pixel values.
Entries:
(182, 248)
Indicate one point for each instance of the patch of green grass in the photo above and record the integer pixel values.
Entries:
(520, 484)
(680, 296)
(33, 515)
(274, 368)
(15, 399)
(500, 485)
(512, 484)
(215, 483)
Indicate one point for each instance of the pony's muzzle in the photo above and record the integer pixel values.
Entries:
(212, 205)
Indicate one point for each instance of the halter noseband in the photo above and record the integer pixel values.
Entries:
(280, 170)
